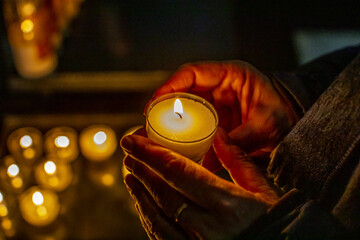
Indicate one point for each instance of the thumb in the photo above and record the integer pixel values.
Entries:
(241, 168)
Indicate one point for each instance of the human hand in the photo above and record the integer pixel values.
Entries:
(179, 199)
(250, 109)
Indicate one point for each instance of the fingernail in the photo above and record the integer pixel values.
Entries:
(129, 163)
(127, 144)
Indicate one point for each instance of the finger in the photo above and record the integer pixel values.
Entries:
(211, 162)
(241, 168)
(156, 223)
(197, 78)
(184, 175)
(143, 223)
(167, 198)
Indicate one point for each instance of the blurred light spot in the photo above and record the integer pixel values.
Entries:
(6, 224)
(1, 197)
(50, 167)
(17, 182)
(29, 153)
(13, 170)
(28, 36)
(27, 26)
(100, 137)
(107, 179)
(62, 141)
(37, 198)
(3, 210)
(41, 211)
(26, 141)
(28, 9)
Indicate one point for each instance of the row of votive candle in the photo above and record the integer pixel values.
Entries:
(97, 143)
(39, 205)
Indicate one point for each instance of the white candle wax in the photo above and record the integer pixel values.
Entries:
(189, 133)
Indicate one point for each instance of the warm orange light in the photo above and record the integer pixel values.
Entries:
(62, 141)
(26, 141)
(13, 170)
(107, 179)
(178, 108)
(37, 198)
(27, 26)
(50, 167)
(3, 210)
(100, 138)
(28, 9)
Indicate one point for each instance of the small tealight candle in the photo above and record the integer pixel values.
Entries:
(61, 142)
(53, 174)
(11, 174)
(98, 142)
(182, 122)
(25, 143)
(39, 207)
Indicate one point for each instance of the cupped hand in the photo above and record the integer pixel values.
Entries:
(250, 108)
(161, 181)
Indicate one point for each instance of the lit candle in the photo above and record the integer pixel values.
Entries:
(98, 142)
(182, 122)
(39, 207)
(53, 174)
(25, 143)
(11, 174)
(61, 142)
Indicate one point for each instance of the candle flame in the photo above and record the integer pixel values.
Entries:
(62, 141)
(37, 198)
(178, 108)
(26, 141)
(100, 138)
(13, 170)
(50, 167)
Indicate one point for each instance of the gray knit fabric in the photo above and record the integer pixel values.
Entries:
(318, 143)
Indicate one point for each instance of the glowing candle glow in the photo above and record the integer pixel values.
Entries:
(25, 144)
(61, 142)
(98, 142)
(54, 175)
(182, 122)
(39, 207)
(26, 141)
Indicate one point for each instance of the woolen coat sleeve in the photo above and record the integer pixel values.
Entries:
(318, 165)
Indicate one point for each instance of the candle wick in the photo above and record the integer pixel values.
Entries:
(179, 115)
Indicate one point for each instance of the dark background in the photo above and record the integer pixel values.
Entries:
(146, 35)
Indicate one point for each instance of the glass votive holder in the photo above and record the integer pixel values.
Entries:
(182, 122)
(98, 142)
(53, 174)
(12, 175)
(61, 142)
(39, 207)
(26, 144)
